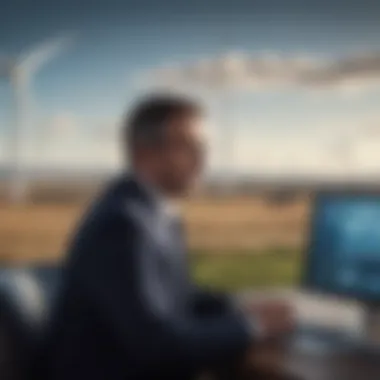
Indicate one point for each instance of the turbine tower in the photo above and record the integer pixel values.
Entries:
(20, 71)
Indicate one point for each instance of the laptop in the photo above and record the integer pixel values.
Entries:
(342, 260)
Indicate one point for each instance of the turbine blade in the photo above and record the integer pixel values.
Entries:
(42, 54)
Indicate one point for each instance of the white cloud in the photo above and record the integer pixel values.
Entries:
(67, 140)
(270, 71)
(334, 151)
(337, 149)
(63, 125)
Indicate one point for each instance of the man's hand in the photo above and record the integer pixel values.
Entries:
(273, 318)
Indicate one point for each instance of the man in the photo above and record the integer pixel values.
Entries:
(128, 309)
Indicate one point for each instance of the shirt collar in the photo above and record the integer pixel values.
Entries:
(165, 205)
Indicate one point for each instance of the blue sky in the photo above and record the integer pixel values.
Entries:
(86, 90)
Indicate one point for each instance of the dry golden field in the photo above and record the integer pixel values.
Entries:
(39, 231)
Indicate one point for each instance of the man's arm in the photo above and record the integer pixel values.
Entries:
(122, 278)
(211, 302)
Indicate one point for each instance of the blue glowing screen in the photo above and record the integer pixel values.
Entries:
(344, 256)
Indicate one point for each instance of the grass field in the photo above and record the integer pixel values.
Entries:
(40, 231)
(237, 270)
(237, 242)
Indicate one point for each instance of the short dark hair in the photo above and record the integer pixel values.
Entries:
(147, 119)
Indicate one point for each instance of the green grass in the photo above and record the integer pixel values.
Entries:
(243, 270)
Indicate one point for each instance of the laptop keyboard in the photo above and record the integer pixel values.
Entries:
(321, 339)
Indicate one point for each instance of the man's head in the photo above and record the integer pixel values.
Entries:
(164, 142)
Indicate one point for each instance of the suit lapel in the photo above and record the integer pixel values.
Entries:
(167, 231)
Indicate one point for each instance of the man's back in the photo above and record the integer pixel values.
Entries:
(83, 338)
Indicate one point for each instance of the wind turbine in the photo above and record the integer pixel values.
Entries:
(20, 71)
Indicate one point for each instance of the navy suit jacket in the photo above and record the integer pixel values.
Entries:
(127, 308)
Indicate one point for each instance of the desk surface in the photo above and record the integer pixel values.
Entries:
(282, 363)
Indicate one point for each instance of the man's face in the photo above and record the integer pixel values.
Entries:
(180, 158)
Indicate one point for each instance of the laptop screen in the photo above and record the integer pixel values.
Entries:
(344, 251)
